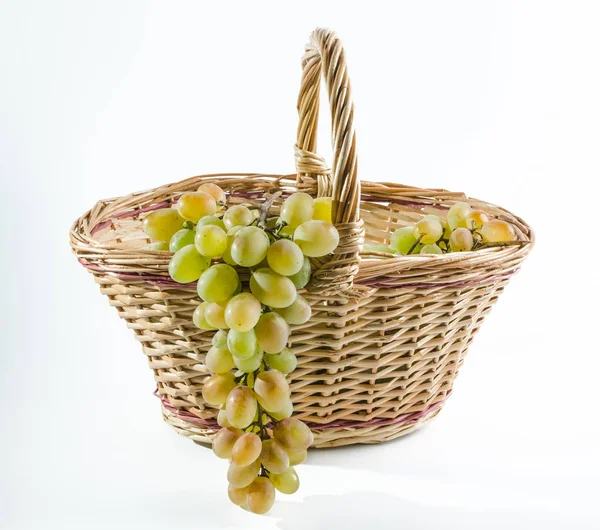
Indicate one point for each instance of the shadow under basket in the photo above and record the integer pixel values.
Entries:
(388, 333)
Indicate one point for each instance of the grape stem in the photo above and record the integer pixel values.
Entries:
(265, 206)
(415, 245)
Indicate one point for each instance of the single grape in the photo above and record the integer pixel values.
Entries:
(297, 209)
(214, 314)
(224, 441)
(241, 407)
(376, 248)
(323, 207)
(187, 265)
(242, 312)
(476, 219)
(211, 241)
(219, 339)
(219, 360)
(293, 434)
(261, 495)
(285, 412)
(217, 387)
(227, 254)
(238, 496)
(237, 215)
(272, 332)
(316, 238)
(158, 245)
(431, 249)
(161, 225)
(272, 390)
(214, 191)
(302, 277)
(242, 476)
(251, 364)
(194, 206)
(211, 220)
(428, 230)
(218, 283)
(286, 482)
(461, 240)
(403, 239)
(249, 246)
(285, 361)
(199, 317)
(285, 257)
(222, 418)
(297, 457)
(297, 313)
(274, 457)
(497, 231)
(272, 289)
(181, 238)
(246, 449)
(447, 229)
(242, 344)
(457, 215)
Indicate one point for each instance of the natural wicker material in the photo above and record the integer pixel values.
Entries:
(388, 333)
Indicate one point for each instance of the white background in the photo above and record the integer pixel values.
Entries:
(498, 99)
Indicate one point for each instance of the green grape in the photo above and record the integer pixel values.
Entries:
(242, 312)
(161, 225)
(222, 418)
(214, 191)
(242, 344)
(274, 457)
(293, 434)
(218, 283)
(199, 317)
(214, 314)
(227, 254)
(376, 248)
(272, 289)
(272, 332)
(187, 265)
(238, 496)
(285, 361)
(261, 495)
(217, 387)
(219, 339)
(251, 364)
(246, 449)
(316, 238)
(211, 220)
(428, 230)
(158, 245)
(403, 239)
(302, 277)
(497, 231)
(181, 238)
(194, 206)
(285, 412)
(286, 482)
(297, 313)
(224, 441)
(211, 241)
(447, 229)
(323, 207)
(297, 457)
(285, 257)
(457, 215)
(237, 215)
(242, 476)
(272, 390)
(287, 231)
(219, 360)
(431, 249)
(241, 407)
(476, 219)
(297, 209)
(249, 246)
(461, 240)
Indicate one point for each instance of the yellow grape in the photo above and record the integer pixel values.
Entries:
(261, 495)
(161, 225)
(272, 289)
(242, 476)
(211, 241)
(457, 215)
(187, 265)
(222, 418)
(211, 220)
(242, 344)
(249, 246)
(297, 457)
(199, 317)
(285, 257)
(286, 482)
(218, 283)
(194, 206)
(217, 387)
(181, 238)
(219, 360)
(497, 231)
(476, 219)
(158, 245)
(428, 230)
(242, 312)
(237, 215)
(461, 240)
(293, 434)
(316, 238)
(272, 332)
(241, 407)
(214, 314)
(214, 191)
(274, 457)
(285, 361)
(323, 207)
(246, 449)
(297, 209)
(239, 496)
(272, 390)
(297, 313)
(431, 249)
(302, 277)
(403, 239)
(251, 364)
(224, 441)
(219, 339)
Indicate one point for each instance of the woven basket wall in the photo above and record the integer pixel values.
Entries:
(388, 333)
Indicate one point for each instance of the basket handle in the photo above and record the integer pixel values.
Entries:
(324, 55)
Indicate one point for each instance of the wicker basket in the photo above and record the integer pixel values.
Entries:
(388, 333)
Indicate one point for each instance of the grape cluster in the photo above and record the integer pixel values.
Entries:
(464, 229)
(249, 357)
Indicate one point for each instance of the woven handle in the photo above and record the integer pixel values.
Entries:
(325, 56)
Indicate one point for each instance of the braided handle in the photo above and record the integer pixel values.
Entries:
(325, 56)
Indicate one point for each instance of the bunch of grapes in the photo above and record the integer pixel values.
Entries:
(249, 358)
(464, 229)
